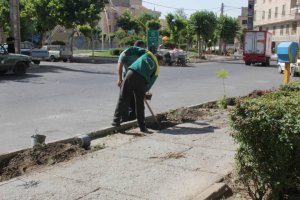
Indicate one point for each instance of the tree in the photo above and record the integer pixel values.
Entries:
(91, 33)
(180, 13)
(176, 26)
(127, 22)
(4, 18)
(153, 24)
(228, 28)
(80, 12)
(144, 18)
(204, 24)
(42, 14)
(46, 14)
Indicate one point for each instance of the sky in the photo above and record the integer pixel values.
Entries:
(231, 7)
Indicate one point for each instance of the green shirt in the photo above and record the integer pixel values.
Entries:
(147, 66)
(129, 56)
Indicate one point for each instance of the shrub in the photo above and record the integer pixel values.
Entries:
(292, 86)
(129, 40)
(116, 52)
(267, 130)
(58, 43)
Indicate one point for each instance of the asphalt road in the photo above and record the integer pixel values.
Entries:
(61, 100)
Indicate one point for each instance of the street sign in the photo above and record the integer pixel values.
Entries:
(152, 40)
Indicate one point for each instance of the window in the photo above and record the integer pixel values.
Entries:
(274, 30)
(294, 28)
(283, 10)
(281, 29)
(269, 14)
(287, 30)
(276, 12)
(267, 29)
(263, 15)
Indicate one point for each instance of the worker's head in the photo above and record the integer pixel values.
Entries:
(139, 43)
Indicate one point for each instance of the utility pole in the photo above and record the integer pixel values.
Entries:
(15, 23)
(221, 39)
(222, 10)
(250, 14)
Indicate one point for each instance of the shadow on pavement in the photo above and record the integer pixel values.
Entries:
(25, 78)
(57, 69)
(176, 130)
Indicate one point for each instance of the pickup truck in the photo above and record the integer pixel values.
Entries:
(36, 54)
(13, 62)
(58, 52)
(47, 52)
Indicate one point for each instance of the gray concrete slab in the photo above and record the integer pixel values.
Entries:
(177, 163)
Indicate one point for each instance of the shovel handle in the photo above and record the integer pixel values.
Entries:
(152, 113)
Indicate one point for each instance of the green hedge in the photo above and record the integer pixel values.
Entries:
(116, 52)
(267, 130)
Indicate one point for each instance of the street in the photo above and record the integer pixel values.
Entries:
(61, 100)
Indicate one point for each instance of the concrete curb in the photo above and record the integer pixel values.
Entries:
(96, 134)
(215, 191)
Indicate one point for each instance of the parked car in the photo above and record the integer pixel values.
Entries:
(295, 68)
(58, 52)
(13, 62)
(36, 54)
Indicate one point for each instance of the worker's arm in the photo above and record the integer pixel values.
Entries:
(121, 61)
(120, 66)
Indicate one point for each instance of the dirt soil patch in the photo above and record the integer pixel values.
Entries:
(41, 155)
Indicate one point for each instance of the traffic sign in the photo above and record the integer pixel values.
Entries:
(152, 40)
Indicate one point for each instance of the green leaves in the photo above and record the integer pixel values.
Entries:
(267, 131)
(222, 74)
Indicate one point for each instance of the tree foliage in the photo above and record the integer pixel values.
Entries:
(4, 15)
(46, 14)
(127, 22)
(204, 24)
(144, 18)
(228, 28)
(153, 24)
(176, 25)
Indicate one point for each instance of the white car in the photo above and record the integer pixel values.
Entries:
(295, 68)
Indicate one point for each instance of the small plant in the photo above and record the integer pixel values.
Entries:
(223, 74)
(222, 103)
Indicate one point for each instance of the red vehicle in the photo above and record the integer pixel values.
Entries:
(257, 47)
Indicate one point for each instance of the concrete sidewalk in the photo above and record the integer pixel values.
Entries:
(181, 162)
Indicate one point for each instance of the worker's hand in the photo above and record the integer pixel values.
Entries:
(148, 95)
(119, 83)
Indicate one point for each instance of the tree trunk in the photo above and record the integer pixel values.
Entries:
(198, 44)
(71, 38)
(220, 46)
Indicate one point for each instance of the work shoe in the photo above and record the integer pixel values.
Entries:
(145, 130)
(115, 123)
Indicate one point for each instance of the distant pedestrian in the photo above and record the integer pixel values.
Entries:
(10, 44)
(126, 58)
(139, 79)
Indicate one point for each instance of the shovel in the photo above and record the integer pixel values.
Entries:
(158, 124)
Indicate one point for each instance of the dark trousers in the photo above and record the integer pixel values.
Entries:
(131, 115)
(133, 83)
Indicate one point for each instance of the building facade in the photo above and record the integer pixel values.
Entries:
(280, 17)
(116, 8)
(243, 18)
